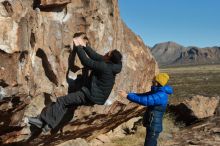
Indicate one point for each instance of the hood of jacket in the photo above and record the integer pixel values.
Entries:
(167, 89)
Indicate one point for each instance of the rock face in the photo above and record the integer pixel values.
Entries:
(196, 108)
(47, 3)
(37, 65)
(171, 53)
(77, 142)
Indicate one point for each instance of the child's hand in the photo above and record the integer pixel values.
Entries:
(122, 93)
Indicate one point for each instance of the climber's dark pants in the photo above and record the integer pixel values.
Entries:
(151, 138)
(53, 114)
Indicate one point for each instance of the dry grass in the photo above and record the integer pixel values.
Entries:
(136, 139)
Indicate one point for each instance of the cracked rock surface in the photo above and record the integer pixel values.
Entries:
(37, 65)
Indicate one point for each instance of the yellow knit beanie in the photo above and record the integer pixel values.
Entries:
(162, 78)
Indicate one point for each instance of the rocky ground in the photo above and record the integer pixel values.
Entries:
(202, 124)
(205, 133)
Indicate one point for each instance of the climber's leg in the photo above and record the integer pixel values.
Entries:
(35, 121)
(53, 114)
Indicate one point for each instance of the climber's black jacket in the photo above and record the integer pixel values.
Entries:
(102, 77)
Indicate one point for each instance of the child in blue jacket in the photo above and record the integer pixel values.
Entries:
(156, 100)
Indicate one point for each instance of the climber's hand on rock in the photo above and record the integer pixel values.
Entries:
(122, 93)
(82, 42)
(76, 41)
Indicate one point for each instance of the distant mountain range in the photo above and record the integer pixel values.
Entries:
(172, 54)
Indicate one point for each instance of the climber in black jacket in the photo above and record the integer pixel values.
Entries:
(102, 79)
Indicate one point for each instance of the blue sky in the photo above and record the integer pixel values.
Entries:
(187, 22)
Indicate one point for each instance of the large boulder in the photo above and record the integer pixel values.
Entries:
(195, 108)
(37, 64)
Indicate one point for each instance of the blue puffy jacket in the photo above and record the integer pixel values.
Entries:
(156, 100)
